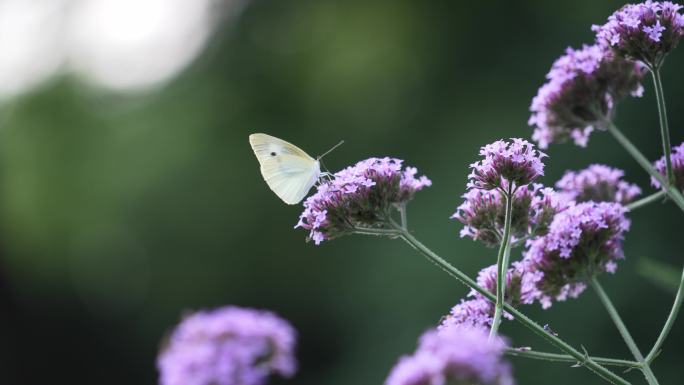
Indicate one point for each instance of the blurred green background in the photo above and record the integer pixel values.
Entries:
(121, 210)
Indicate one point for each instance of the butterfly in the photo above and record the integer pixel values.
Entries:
(288, 170)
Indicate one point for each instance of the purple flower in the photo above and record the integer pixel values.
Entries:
(516, 163)
(454, 356)
(228, 346)
(584, 240)
(580, 95)
(677, 159)
(483, 213)
(597, 183)
(362, 195)
(646, 31)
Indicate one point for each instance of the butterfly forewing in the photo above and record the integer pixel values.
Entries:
(289, 171)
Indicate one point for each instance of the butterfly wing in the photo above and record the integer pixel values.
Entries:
(288, 170)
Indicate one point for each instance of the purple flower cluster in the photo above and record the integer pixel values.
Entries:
(359, 196)
(478, 312)
(597, 183)
(454, 356)
(580, 95)
(584, 240)
(483, 213)
(506, 164)
(677, 159)
(645, 31)
(228, 346)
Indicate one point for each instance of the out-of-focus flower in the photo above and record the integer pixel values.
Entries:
(677, 159)
(228, 346)
(506, 164)
(454, 356)
(597, 183)
(483, 213)
(362, 195)
(646, 31)
(583, 241)
(581, 93)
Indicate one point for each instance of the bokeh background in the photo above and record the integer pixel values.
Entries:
(129, 193)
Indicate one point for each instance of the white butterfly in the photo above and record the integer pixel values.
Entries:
(288, 170)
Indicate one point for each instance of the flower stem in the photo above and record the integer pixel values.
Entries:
(664, 130)
(646, 200)
(553, 357)
(669, 322)
(582, 358)
(671, 190)
(615, 316)
(502, 263)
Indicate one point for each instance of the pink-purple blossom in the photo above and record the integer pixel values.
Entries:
(228, 346)
(362, 195)
(598, 183)
(677, 159)
(454, 356)
(646, 31)
(483, 213)
(580, 95)
(583, 241)
(506, 165)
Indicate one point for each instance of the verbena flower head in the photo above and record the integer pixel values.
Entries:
(360, 195)
(483, 213)
(581, 93)
(228, 346)
(597, 183)
(478, 312)
(457, 356)
(516, 162)
(646, 31)
(677, 159)
(584, 240)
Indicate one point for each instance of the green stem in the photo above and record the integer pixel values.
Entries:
(646, 200)
(582, 358)
(664, 130)
(669, 322)
(553, 357)
(502, 263)
(615, 316)
(671, 190)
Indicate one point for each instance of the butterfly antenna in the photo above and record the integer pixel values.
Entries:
(329, 151)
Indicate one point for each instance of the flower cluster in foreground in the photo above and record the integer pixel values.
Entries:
(645, 31)
(581, 93)
(597, 183)
(362, 195)
(583, 241)
(483, 213)
(506, 165)
(677, 159)
(454, 356)
(228, 346)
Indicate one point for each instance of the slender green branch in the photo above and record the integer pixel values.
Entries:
(582, 358)
(646, 200)
(669, 322)
(664, 130)
(615, 316)
(553, 357)
(502, 263)
(672, 191)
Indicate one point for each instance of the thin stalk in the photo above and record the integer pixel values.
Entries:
(672, 191)
(669, 322)
(502, 264)
(615, 316)
(646, 200)
(581, 358)
(664, 130)
(553, 357)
